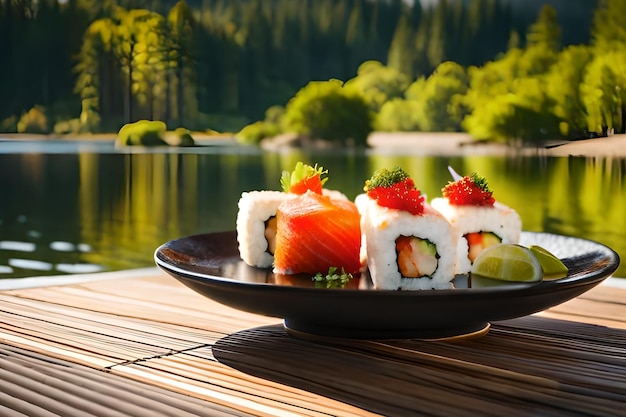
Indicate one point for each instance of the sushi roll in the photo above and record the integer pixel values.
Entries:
(408, 244)
(478, 220)
(256, 216)
(256, 226)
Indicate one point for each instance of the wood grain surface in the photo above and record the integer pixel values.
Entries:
(151, 346)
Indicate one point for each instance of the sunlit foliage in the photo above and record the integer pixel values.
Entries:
(443, 66)
(33, 121)
(563, 84)
(142, 132)
(326, 110)
(378, 83)
(440, 98)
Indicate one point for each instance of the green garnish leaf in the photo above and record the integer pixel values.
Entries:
(301, 172)
(480, 182)
(385, 178)
(332, 279)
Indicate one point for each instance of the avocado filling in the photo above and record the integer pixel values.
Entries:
(416, 257)
(270, 234)
(478, 241)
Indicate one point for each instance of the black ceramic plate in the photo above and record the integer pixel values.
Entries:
(210, 264)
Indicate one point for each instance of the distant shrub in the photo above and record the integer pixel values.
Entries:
(274, 114)
(142, 133)
(325, 110)
(67, 126)
(256, 132)
(33, 121)
(399, 115)
(181, 137)
(9, 125)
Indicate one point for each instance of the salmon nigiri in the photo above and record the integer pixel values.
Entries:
(316, 232)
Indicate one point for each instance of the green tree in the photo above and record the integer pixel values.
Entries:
(545, 32)
(563, 87)
(377, 83)
(603, 89)
(401, 54)
(604, 93)
(508, 99)
(608, 31)
(524, 116)
(151, 65)
(440, 97)
(399, 115)
(126, 45)
(95, 76)
(437, 42)
(180, 55)
(493, 79)
(328, 111)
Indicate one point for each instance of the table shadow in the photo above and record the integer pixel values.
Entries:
(519, 367)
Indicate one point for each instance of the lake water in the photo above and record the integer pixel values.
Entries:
(74, 207)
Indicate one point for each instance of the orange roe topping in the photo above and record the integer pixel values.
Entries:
(312, 183)
(469, 191)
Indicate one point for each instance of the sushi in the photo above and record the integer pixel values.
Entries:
(256, 226)
(408, 245)
(478, 220)
(314, 233)
(256, 215)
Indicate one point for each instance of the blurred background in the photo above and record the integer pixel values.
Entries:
(487, 67)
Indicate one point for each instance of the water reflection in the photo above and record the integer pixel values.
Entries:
(109, 211)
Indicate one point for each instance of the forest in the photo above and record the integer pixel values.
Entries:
(480, 66)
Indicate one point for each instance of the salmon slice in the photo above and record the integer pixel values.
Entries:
(315, 232)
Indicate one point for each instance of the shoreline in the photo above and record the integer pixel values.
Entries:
(416, 143)
(459, 144)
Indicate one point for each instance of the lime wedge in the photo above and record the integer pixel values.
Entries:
(552, 266)
(508, 262)
(476, 281)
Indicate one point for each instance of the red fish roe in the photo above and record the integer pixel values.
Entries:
(469, 191)
(400, 196)
(312, 183)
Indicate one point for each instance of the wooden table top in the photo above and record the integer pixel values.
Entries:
(149, 346)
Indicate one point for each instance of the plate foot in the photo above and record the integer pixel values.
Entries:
(315, 332)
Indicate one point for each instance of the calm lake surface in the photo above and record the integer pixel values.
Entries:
(71, 207)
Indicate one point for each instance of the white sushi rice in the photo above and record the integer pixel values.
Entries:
(500, 220)
(382, 226)
(255, 208)
(334, 194)
(361, 203)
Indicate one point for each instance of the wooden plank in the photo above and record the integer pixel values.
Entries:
(602, 306)
(174, 336)
(156, 333)
(259, 399)
(158, 298)
(37, 386)
(92, 338)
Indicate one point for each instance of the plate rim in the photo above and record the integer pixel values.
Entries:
(567, 282)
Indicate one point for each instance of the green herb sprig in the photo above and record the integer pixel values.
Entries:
(386, 178)
(302, 172)
(480, 182)
(332, 279)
